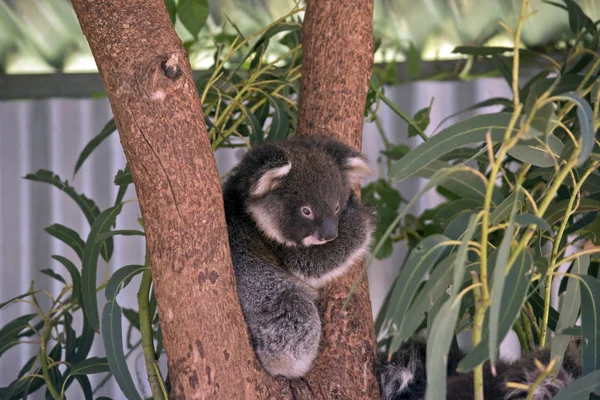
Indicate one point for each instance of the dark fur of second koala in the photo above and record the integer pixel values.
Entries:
(404, 377)
(294, 224)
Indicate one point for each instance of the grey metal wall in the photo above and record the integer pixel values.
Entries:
(50, 134)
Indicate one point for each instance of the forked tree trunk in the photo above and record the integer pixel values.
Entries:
(148, 78)
(157, 110)
(337, 48)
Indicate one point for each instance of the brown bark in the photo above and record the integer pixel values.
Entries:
(337, 47)
(148, 78)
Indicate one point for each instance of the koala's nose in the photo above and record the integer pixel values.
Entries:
(328, 230)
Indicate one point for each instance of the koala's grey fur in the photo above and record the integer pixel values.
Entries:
(404, 377)
(282, 257)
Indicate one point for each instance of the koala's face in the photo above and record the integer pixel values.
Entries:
(299, 203)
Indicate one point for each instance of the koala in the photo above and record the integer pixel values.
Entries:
(404, 376)
(294, 224)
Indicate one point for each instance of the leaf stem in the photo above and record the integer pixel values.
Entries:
(44, 360)
(555, 250)
(154, 377)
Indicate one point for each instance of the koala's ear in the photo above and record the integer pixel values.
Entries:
(265, 166)
(353, 163)
(269, 179)
(355, 168)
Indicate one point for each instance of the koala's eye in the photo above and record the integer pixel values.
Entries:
(337, 207)
(307, 212)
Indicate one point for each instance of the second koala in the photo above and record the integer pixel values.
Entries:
(294, 224)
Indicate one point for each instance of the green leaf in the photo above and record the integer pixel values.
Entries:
(530, 219)
(502, 212)
(488, 50)
(502, 67)
(86, 387)
(90, 263)
(499, 275)
(120, 279)
(68, 236)
(421, 259)
(570, 303)
(53, 275)
(591, 184)
(515, 289)
(439, 281)
(537, 303)
(556, 211)
(387, 201)
(84, 342)
(125, 232)
(438, 345)
(413, 57)
(70, 337)
(123, 177)
(89, 208)
(462, 134)
(581, 387)
(113, 347)
(280, 122)
(75, 277)
(132, 316)
(535, 153)
(465, 184)
(257, 136)
(421, 119)
(9, 332)
(21, 296)
(93, 365)
(108, 129)
(172, 9)
(590, 323)
(577, 18)
(193, 15)
(585, 115)
(450, 210)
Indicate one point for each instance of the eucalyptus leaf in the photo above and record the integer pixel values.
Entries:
(93, 365)
(113, 347)
(570, 304)
(193, 15)
(75, 277)
(421, 259)
(513, 296)
(581, 388)
(535, 153)
(585, 115)
(108, 129)
(68, 236)
(465, 184)
(530, 219)
(439, 341)
(120, 279)
(557, 210)
(500, 269)
(462, 134)
(90, 263)
(590, 323)
(10, 332)
(280, 122)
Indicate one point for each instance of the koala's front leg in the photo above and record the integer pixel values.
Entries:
(318, 264)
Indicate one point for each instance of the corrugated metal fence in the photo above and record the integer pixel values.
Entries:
(50, 134)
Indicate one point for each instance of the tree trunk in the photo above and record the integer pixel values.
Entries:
(148, 78)
(337, 48)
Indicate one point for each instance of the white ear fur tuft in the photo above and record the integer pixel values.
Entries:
(269, 180)
(356, 168)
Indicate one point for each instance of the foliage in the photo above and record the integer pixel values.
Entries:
(521, 186)
(521, 204)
